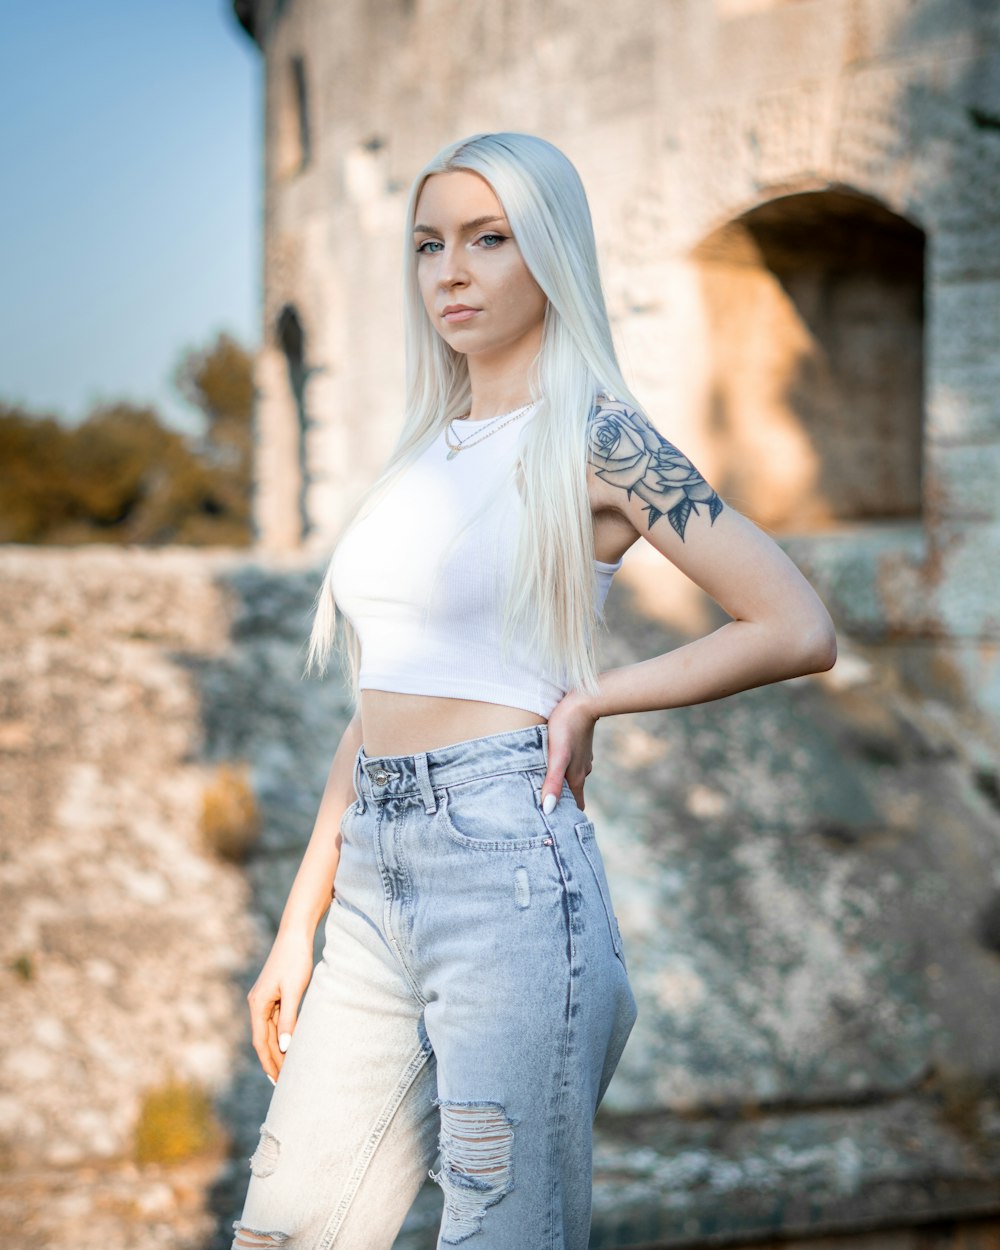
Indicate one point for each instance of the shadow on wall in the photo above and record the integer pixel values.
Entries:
(257, 709)
(292, 340)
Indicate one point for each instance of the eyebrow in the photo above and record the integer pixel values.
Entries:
(464, 228)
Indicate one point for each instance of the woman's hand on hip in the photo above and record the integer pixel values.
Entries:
(275, 997)
(570, 749)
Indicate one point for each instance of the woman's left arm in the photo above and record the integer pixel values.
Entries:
(779, 627)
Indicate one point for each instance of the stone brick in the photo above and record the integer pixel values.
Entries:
(962, 481)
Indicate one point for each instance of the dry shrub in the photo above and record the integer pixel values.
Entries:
(23, 967)
(176, 1122)
(230, 822)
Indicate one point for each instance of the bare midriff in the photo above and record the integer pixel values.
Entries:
(403, 724)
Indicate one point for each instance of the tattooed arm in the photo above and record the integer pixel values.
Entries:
(779, 627)
(627, 452)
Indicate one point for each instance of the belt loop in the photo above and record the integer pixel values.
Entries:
(543, 731)
(354, 779)
(424, 782)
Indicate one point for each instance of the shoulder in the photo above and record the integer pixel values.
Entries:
(610, 420)
(645, 476)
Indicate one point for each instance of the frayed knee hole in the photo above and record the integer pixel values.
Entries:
(256, 1239)
(264, 1159)
(476, 1152)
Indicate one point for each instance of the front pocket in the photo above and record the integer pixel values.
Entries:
(494, 814)
(587, 837)
(345, 821)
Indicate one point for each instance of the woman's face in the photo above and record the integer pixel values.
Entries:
(478, 292)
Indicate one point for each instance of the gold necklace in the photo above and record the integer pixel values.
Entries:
(471, 441)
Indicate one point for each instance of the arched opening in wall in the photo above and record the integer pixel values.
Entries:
(292, 341)
(293, 147)
(815, 313)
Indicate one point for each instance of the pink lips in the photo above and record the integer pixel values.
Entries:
(458, 312)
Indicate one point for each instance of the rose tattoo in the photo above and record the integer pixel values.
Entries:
(628, 452)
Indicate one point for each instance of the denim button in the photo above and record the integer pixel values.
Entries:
(380, 777)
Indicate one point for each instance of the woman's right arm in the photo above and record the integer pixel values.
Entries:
(276, 994)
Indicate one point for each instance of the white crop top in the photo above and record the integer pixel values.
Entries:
(429, 618)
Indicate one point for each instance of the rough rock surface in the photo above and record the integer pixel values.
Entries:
(805, 877)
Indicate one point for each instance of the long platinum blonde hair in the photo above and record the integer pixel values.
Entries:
(552, 597)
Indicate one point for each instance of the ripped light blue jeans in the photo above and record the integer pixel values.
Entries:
(470, 1007)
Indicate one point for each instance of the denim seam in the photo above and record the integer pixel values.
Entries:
(556, 1140)
(409, 1075)
(603, 888)
(386, 927)
(410, 981)
(499, 772)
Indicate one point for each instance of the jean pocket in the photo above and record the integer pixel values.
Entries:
(567, 799)
(494, 814)
(347, 816)
(587, 837)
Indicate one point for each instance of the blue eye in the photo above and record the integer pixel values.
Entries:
(500, 238)
(424, 247)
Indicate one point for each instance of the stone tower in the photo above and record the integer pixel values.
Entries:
(798, 211)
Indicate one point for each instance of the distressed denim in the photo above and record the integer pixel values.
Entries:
(469, 1009)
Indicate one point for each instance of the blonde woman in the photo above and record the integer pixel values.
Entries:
(472, 1001)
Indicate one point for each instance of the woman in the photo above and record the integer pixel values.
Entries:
(472, 1000)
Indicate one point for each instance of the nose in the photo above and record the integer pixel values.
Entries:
(452, 270)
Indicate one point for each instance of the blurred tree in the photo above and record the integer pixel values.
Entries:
(219, 383)
(121, 476)
(35, 476)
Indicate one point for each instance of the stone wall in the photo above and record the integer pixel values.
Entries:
(128, 680)
(805, 877)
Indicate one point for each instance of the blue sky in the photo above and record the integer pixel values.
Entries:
(130, 214)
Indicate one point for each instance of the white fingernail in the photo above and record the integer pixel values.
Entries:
(283, 1042)
(270, 1078)
(549, 804)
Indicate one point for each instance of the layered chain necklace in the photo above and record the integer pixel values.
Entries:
(494, 424)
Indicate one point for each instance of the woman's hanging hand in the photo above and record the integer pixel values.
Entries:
(275, 997)
(570, 750)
